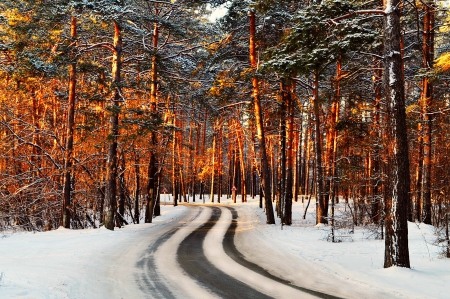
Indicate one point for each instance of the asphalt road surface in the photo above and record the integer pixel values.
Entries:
(197, 258)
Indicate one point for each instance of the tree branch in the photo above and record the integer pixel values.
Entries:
(358, 12)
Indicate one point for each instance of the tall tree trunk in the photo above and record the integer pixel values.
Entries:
(426, 100)
(174, 160)
(202, 153)
(298, 154)
(111, 169)
(376, 170)
(332, 141)
(213, 165)
(396, 241)
(419, 175)
(287, 96)
(265, 173)
(181, 161)
(191, 157)
(332, 134)
(219, 165)
(151, 189)
(240, 140)
(195, 168)
(306, 157)
(67, 198)
(282, 155)
(321, 212)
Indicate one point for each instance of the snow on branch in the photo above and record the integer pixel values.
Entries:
(358, 12)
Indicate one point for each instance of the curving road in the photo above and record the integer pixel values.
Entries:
(197, 258)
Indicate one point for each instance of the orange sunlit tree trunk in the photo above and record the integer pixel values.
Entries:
(109, 208)
(67, 184)
(265, 173)
(151, 188)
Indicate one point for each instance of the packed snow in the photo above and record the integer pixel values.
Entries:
(98, 263)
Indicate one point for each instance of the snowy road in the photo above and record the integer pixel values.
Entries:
(212, 251)
(198, 259)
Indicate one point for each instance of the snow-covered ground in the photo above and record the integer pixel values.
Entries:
(94, 263)
(350, 269)
(102, 264)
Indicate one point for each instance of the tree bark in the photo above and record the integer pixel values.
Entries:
(174, 161)
(111, 169)
(213, 165)
(426, 100)
(396, 241)
(67, 189)
(122, 189)
(376, 159)
(151, 189)
(137, 190)
(321, 211)
(265, 173)
(287, 95)
(240, 140)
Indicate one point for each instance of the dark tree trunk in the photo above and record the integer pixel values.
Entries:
(321, 212)
(219, 165)
(111, 168)
(376, 169)
(242, 173)
(174, 160)
(213, 165)
(122, 189)
(137, 190)
(396, 241)
(426, 99)
(287, 97)
(67, 190)
(265, 172)
(151, 189)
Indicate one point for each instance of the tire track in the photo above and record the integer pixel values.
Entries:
(150, 281)
(192, 259)
(231, 250)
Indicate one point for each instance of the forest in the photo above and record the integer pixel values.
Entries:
(105, 105)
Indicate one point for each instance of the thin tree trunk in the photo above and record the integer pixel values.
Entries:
(196, 154)
(137, 190)
(240, 140)
(321, 212)
(281, 177)
(376, 172)
(447, 235)
(122, 189)
(419, 175)
(287, 215)
(298, 157)
(213, 165)
(334, 118)
(306, 158)
(174, 160)
(67, 198)
(219, 165)
(426, 99)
